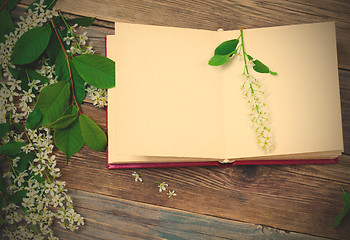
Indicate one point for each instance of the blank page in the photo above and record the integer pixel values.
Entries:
(167, 101)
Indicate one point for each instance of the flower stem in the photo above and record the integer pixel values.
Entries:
(3, 5)
(70, 30)
(68, 64)
(244, 53)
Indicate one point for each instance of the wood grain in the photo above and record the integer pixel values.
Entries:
(285, 197)
(298, 198)
(229, 15)
(114, 218)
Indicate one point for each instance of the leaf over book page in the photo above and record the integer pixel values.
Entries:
(223, 52)
(260, 67)
(227, 47)
(218, 60)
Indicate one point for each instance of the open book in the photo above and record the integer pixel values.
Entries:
(170, 108)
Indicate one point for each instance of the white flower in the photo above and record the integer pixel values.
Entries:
(89, 50)
(14, 84)
(20, 179)
(68, 39)
(32, 218)
(39, 6)
(27, 148)
(27, 202)
(15, 161)
(57, 200)
(79, 219)
(162, 186)
(38, 169)
(171, 194)
(83, 38)
(28, 96)
(50, 188)
(34, 84)
(136, 176)
(73, 28)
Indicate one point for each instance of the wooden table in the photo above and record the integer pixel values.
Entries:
(246, 202)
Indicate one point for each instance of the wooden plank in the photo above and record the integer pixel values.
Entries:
(114, 218)
(212, 14)
(295, 198)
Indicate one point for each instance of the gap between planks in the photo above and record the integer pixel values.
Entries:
(113, 218)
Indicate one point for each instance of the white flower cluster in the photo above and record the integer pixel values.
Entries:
(43, 192)
(252, 91)
(77, 41)
(44, 197)
(98, 96)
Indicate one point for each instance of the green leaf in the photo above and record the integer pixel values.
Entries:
(31, 45)
(11, 4)
(273, 73)
(54, 45)
(260, 67)
(20, 74)
(37, 177)
(4, 128)
(71, 110)
(92, 134)
(6, 25)
(63, 122)
(18, 126)
(25, 158)
(3, 188)
(346, 200)
(49, 4)
(62, 71)
(24, 83)
(3, 159)
(17, 72)
(218, 60)
(37, 76)
(227, 47)
(83, 21)
(69, 140)
(53, 101)
(96, 70)
(61, 67)
(11, 148)
(79, 85)
(249, 57)
(17, 197)
(33, 119)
